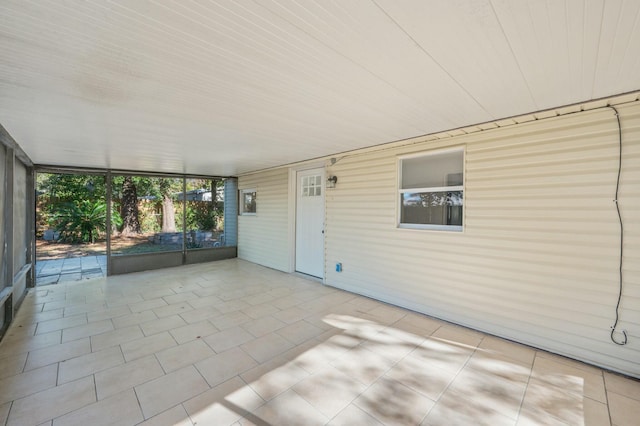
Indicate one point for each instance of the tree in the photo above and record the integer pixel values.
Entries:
(129, 208)
(82, 220)
(167, 187)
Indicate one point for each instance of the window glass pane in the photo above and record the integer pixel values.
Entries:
(249, 202)
(151, 212)
(318, 180)
(432, 208)
(204, 213)
(318, 190)
(71, 218)
(431, 171)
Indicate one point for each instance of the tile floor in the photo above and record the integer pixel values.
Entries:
(233, 343)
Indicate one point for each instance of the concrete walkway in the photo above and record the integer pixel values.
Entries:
(70, 269)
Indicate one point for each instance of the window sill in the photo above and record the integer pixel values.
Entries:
(450, 228)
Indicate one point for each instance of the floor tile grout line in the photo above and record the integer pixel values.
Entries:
(526, 388)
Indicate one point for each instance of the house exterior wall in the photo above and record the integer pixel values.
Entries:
(538, 259)
(263, 238)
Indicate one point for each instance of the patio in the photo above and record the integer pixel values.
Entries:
(70, 269)
(234, 343)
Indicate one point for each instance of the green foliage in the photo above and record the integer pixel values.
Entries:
(82, 220)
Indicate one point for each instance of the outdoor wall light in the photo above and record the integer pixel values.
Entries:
(331, 182)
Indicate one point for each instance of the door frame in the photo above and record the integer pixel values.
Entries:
(293, 187)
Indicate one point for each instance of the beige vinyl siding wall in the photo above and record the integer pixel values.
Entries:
(263, 238)
(538, 259)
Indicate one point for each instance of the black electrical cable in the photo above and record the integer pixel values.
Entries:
(615, 324)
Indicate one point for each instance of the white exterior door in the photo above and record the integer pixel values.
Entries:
(310, 222)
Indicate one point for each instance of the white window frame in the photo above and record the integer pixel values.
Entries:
(451, 228)
(242, 194)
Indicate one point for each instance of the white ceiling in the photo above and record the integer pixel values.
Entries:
(227, 87)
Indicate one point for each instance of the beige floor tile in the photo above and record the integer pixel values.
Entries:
(286, 303)
(12, 365)
(299, 332)
(266, 347)
(115, 337)
(369, 343)
(134, 319)
(109, 313)
(228, 338)
(4, 412)
(164, 392)
(156, 292)
(17, 331)
(27, 383)
(147, 305)
(443, 354)
(493, 346)
(543, 400)
(120, 300)
(85, 365)
(88, 330)
(499, 365)
(621, 385)
(387, 314)
(288, 408)
(147, 346)
(425, 324)
(569, 378)
(451, 410)
(595, 413)
(221, 367)
(568, 361)
(163, 324)
(172, 309)
(199, 330)
(183, 355)
(176, 416)
(290, 315)
(502, 395)
(401, 405)
(263, 326)
(33, 318)
(458, 335)
(231, 306)
(26, 344)
(179, 298)
(537, 418)
(121, 409)
(57, 353)
(200, 314)
(205, 301)
(231, 319)
(392, 343)
(83, 308)
(352, 415)
(127, 376)
(260, 311)
(422, 377)
(224, 404)
(321, 352)
(273, 377)
(625, 411)
(52, 403)
(329, 391)
(363, 365)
